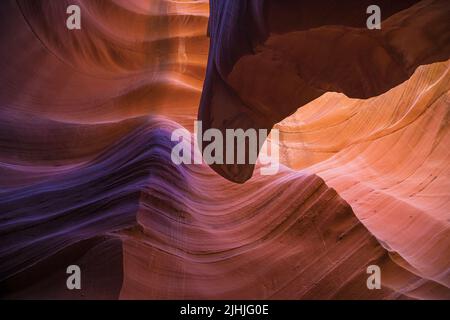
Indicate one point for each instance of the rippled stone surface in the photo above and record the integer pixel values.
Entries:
(86, 177)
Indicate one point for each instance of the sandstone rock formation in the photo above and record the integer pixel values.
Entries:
(86, 176)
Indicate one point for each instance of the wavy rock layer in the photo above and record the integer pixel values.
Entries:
(70, 104)
(389, 159)
(123, 63)
(86, 176)
(139, 225)
(287, 236)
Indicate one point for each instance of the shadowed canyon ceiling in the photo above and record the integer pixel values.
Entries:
(86, 175)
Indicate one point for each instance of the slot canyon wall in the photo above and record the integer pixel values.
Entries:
(86, 176)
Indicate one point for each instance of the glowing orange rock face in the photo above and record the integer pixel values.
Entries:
(259, 76)
(389, 159)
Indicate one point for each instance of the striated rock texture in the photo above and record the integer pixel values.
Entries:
(76, 142)
(389, 159)
(287, 236)
(86, 176)
(131, 58)
(267, 59)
